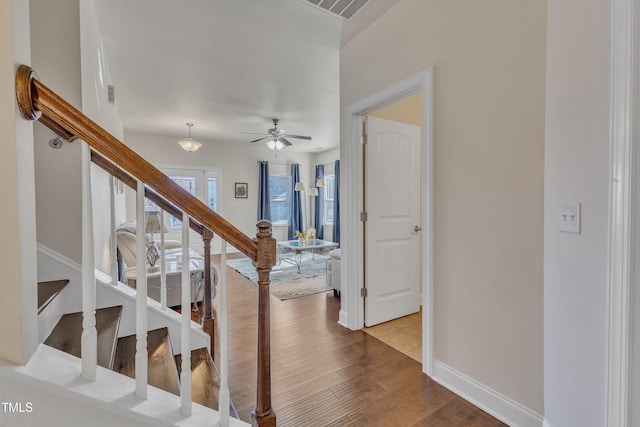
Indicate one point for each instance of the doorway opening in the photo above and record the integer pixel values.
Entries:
(206, 185)
(352, 313)
(392, 231)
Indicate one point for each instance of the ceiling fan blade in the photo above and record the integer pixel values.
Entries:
(285, 141)
(259, 139)
(299, 136)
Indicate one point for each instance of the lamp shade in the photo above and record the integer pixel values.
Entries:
(152, 223)
(189, 144)
(313, 192)
(319, 182)
(299, 186)
(275, 144)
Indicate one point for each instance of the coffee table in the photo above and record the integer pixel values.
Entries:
(299, 247)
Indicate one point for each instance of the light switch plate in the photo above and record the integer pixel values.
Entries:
(569, 217)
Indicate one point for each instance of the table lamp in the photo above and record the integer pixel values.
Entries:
(153, 225)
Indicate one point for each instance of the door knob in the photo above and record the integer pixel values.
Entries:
(417, 228)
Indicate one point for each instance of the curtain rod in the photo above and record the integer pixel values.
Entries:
(274, 163)
(289, 164)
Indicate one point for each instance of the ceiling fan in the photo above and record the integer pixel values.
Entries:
(277, 138)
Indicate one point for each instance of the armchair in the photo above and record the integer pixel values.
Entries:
(126, 241)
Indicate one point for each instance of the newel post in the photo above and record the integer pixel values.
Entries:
(264, 415)
(207, 316)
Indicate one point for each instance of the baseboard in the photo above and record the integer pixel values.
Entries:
(342, 318)
(494, 403)
(59, 258)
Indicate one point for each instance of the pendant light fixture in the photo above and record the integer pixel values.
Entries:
(189, 144)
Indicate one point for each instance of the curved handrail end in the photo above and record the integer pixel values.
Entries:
(24, 96)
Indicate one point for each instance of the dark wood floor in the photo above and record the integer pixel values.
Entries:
(326, 375)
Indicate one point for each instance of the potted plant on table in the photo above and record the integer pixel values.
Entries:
(301, 237)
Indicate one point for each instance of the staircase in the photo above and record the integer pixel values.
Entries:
(98, 147)
(118, 354)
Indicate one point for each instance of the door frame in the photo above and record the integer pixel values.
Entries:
(216, 242)
(352, 308)
(623, 218)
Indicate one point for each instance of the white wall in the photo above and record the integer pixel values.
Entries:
(18, 328)
(95, 79)
(55, 47)
(489, 137)
(68, 56)
(576, 170)
(238, 163)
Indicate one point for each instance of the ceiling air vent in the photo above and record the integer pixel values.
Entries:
(345, 9)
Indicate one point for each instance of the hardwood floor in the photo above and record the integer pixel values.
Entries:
(326, 375)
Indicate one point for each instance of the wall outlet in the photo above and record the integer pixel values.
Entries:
(570, 218)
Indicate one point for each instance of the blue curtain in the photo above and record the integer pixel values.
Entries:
(295, 213)
(336, 205)
(318, 218)
(264, 196)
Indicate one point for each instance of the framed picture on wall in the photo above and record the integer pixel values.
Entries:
(242, 190)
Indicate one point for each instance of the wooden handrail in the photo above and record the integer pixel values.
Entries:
(34, 98)
(38, 102)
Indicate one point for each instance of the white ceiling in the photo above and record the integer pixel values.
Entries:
(228, 66)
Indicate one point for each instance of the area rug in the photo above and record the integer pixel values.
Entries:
(286, 282)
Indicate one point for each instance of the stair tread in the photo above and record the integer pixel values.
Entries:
(47, 291)
(162, 371)
(67, 334)
(205, 380)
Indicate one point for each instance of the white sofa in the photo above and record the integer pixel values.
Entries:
(333, 271)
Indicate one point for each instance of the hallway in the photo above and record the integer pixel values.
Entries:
(324, 374)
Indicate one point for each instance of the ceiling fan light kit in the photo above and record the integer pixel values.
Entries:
(277, 138)
(189, 144)
(275, 144)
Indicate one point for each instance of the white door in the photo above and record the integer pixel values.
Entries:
(203, 184)
(392, 228)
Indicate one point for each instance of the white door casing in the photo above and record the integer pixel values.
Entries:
(200, 179)
(623, 387)
(352, 309)
(393, 225)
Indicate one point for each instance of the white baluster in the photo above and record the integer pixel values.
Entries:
(185, 376)
(163, 268)
(89, 338)
(224, 404)
(142, 367)
(113, 243)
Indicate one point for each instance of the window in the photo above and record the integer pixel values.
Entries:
(189, 184)
(280, 190)
(212, 193)
(198, 182)
(329, 190)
